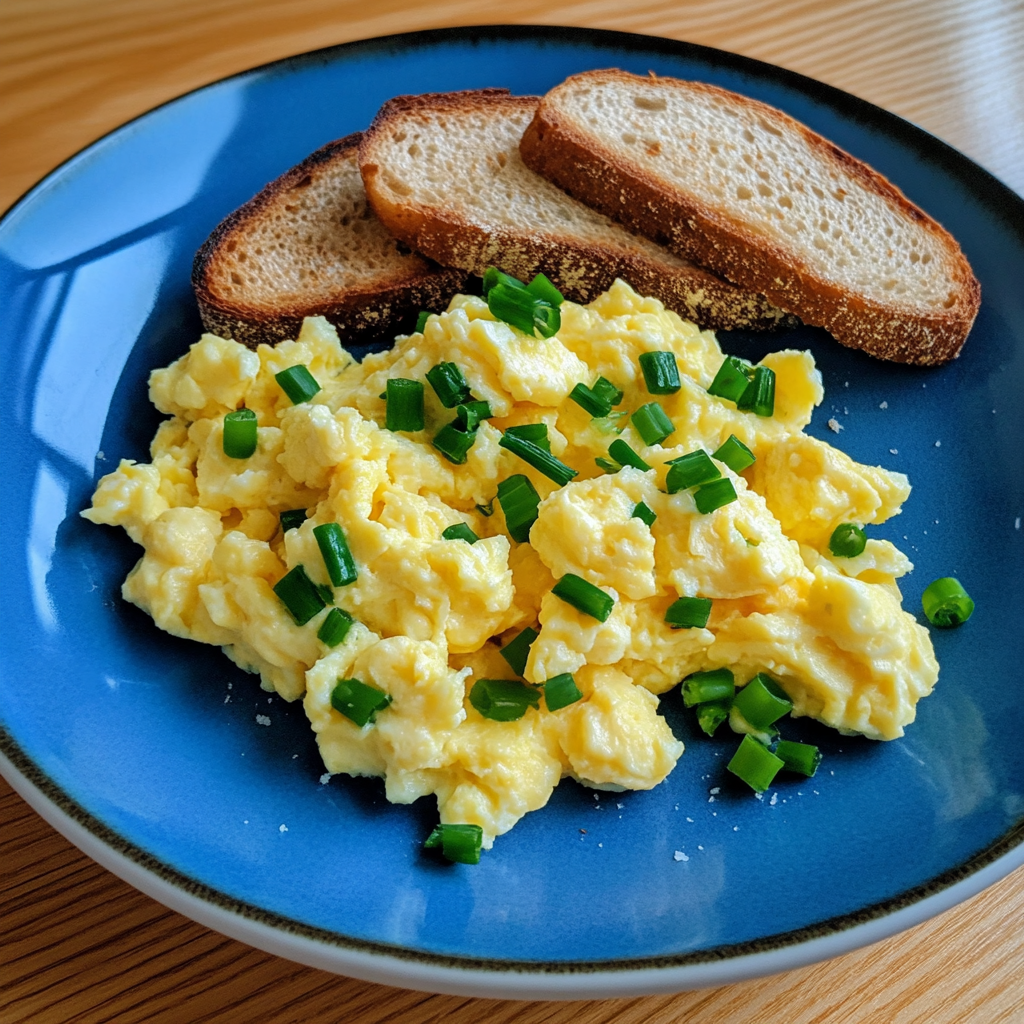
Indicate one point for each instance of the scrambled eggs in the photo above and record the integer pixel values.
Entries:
(431, 614)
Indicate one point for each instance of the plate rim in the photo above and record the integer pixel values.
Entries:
(489, 977)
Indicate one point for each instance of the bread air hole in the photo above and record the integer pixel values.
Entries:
(650, 102)
(629, 138)
(742, 192)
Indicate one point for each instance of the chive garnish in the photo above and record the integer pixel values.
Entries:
(326, 592)
(625, 456)
(590, 401)
(335, 627)
(449, 385)
(762, 702)
(652, 424)
(661, 372)
(755, 764)
(715, 684)
(503, 700)
(759, 395)
(299, 595)
(644, 512)
(486, 510)
(689, 613)
(453, 442)
(292, 519)
(607, 391)
(732, 379)
(712, 714)
(341, 567)
(607, 465)
(542, 288)
(946, 603)
(240, 434)
(798, 757)
(297, 383)
(554, 469)
(493, 276)
(714, 495)
(735, 454)
(519, 308)
(560, 691)
(469, 414)
(847, 541)
(358, 701)
(584, 596)
(421, 321)
(459, 843)
(610, 424)
(405, 404)
(517, 651)
(519, 500)
(459, 531)
(535, 433)
(691, 470)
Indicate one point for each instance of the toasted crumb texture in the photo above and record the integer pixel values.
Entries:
(309, 244)
(444, 174)
(746, 190)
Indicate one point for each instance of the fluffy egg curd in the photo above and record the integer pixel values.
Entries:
(426, 610)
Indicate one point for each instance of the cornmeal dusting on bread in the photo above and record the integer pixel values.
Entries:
(431, 615)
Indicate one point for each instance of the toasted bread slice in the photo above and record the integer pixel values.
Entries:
(443, 173)
(758, 197)
(308, 244)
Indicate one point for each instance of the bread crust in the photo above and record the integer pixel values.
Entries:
(361, 315)
(554, 146)
(581, 269)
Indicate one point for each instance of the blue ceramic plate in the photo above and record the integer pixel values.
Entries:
(122, 737)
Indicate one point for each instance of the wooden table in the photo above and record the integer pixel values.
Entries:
(78, 944)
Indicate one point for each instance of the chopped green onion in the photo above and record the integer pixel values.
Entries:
(735, 454)
(652, 424)
(607, 465)
(946, 603)
(358, 701)
(421, 321)
(560, 691)
(847, 541)
(607, 391)
(715, 684)
(293, 519)
(644, 512)
(493, 276)
(449, 385)
(459, 843)
(732, 379)
(326, 592)
(240, 434)
(610, 424)
(661, 373)
(760, 392)
(714, 495)
(503, 700)
(689, 613)
(798, 757)
(453, 442)
(712, 714)
(460, 531)
(405, 404)
(625, 456)
(546, 319)
(297, 383)
(517, 651)
(584, 596)
(486, 510)
(535, 433)
(591, 402)
(299, 595)
(542, 288)
(335, 627)
(519, 500)
(762, 702)
(755, 764)
(739, 724)
(341, 567)
(691, 470)
(542, 461)
(469, 414)
(512, 305)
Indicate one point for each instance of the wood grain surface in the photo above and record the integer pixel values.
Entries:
(76, 943)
